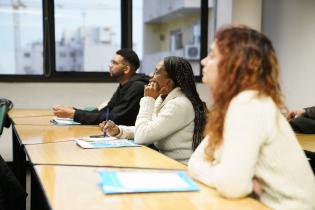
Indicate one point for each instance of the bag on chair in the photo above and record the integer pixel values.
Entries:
(5, 106)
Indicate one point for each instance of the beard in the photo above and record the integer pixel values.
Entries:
(117, 74)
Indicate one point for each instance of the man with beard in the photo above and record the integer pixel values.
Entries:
(123, 107)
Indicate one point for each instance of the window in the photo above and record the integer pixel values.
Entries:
(176, 40)
(21, 37)
(27, 54)
(62, 54)
(137, 27)
(89, 31)
(73, 40)
(168, 28)
(171, 28)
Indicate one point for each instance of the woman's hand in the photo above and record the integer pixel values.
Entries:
(256, 187)
(63, 111)
(152, 90)
(110, 128)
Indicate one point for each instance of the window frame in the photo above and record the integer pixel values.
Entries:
(49, 62)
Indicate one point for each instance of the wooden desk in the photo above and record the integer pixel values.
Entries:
(29, 134)
(68, 153)
(37, 120)
(39, 130)
(75, 187)
(307, 141)
(69, 187)
(14, 113)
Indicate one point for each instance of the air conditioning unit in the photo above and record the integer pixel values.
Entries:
(192, 52)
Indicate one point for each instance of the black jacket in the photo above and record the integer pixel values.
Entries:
(310, 112)
(122, 108)
(305, 123)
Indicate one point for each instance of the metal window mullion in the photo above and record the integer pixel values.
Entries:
(126, 23)
(49, 38)
(204, 30)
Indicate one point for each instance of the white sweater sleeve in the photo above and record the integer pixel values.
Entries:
(175, 114)
(126, 132)
(200, 168)
(242, 138)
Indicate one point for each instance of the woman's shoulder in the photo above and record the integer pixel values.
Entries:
(250, 103)
(181, 100)
(179, 104)
(252, 98)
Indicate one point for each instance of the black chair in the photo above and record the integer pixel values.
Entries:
(12, 194)
(311, 156)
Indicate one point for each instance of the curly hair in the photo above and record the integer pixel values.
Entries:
(180, 71)
(248, 62)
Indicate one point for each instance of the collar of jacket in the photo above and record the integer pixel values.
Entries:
(173, 94)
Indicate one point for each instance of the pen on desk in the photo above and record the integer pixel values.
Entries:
(97, 136)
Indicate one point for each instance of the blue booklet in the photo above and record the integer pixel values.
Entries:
(64, 121)
(117, 182)
(106, 143)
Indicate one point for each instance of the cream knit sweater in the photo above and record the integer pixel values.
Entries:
(168, 124)
(258, 143)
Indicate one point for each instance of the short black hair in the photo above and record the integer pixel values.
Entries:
(130, 56)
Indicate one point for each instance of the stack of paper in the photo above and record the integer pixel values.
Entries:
(63, 121)
(114, 182)
(106, 143)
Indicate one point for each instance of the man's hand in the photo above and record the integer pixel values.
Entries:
(63, 111)
(295, 113)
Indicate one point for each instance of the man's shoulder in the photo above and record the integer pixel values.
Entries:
(139, 79)
(138, 83)
(136, 86)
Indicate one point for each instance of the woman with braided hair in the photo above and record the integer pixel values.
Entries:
(172, 115)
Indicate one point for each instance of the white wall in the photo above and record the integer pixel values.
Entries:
(291, 27)
(44, 95)
(224, 12)
(247, 12)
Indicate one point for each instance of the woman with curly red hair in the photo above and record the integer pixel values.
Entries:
(249, 146)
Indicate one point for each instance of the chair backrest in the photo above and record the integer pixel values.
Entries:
(3, 110)
(5, 106)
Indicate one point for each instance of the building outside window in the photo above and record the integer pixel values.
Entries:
(84, 31)
(172, 27)
(21, 37)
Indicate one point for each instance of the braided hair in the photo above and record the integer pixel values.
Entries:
(180, 71)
